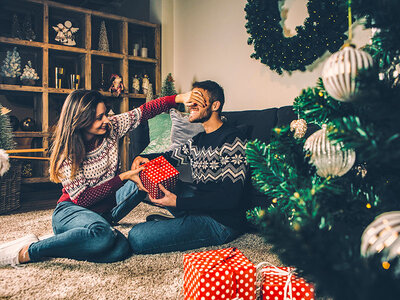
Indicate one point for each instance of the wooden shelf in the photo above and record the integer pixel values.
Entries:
(131, 95)
(22, 88)
(14, 41)
(22, 134)
(59, 91)
(142, 59)
(35, 180)
(66, 48)
(44, 102)
(107, 54)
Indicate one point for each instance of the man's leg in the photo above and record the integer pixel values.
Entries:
(81, 234)
(127, 198)
(179, 234)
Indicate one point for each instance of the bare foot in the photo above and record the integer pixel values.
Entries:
(23, 256)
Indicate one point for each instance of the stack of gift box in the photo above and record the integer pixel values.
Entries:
(227, 274)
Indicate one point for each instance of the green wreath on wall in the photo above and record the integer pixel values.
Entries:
(322, 30)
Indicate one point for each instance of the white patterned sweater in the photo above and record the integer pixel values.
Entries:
(97, 180)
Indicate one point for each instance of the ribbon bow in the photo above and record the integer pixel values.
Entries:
(279, 272)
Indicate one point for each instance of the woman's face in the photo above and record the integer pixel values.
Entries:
(101, 123)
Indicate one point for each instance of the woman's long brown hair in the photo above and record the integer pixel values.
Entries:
(77, 114)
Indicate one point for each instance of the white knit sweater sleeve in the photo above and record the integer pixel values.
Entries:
(125, 122)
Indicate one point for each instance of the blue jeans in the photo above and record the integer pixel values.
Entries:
(82, 234)
(184, 232)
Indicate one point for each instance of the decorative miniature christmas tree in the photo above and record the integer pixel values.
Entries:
(15, 29)
(29, 74)
(103, 40)
(27, 28)
(168, 87)
(12, 64)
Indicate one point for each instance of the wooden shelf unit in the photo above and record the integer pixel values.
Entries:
(86, 56)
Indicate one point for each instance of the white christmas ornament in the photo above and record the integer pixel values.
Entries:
(329, 159)
(382, 233)
(4, 163)
(340, 72)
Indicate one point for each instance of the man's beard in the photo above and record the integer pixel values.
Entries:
(204, 117)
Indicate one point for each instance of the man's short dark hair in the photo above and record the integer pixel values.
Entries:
(215, 91)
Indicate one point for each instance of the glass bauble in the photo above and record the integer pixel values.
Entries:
(382, 235)
(340, 72)
(329, 159)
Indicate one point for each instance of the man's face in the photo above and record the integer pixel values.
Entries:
(200, 114)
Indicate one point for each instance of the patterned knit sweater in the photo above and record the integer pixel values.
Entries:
(96, 182)
(219, 171)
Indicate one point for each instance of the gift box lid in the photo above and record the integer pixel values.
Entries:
(159, 169)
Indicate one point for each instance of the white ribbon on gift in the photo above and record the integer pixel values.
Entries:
(279, 272)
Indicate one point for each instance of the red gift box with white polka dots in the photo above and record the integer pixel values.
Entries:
(158, 171)
(274, 285)
(219, 274)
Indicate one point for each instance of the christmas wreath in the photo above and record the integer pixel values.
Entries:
(322, 30)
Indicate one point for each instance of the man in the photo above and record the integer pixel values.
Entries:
(211, 211)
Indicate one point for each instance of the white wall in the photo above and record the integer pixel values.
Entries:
(210, 42)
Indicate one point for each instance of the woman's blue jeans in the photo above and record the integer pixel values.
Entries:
(82, 234)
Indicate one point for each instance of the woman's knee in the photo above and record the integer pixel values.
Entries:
(102, 236)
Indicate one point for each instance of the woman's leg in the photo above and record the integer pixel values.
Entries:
(81, 234)
(179, 234)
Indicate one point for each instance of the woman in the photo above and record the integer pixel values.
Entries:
(84, 158)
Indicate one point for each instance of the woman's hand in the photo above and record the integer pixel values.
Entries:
(138, 161)
(191, 98)
(134, 176)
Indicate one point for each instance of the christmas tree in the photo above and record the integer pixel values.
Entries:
(15, 28)
(6, 137)
(27, 27)
(316, 219)
(168, 86)
(12, 64)
(103, 40)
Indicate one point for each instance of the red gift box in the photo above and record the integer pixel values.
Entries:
(280, 283)
(219, 274)
(158, 171)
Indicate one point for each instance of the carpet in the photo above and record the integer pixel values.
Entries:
(156, 276)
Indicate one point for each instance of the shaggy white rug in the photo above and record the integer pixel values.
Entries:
(158, 276)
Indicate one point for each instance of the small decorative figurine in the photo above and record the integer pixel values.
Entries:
(135, 85)
(116, 85)
(145, 84)
(66, 33)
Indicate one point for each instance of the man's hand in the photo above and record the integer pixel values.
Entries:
(191, 98)
(169, 198)
(134, 176)
(138, 161)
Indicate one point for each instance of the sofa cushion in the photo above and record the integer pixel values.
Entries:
(159, 132)
(181, 129)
